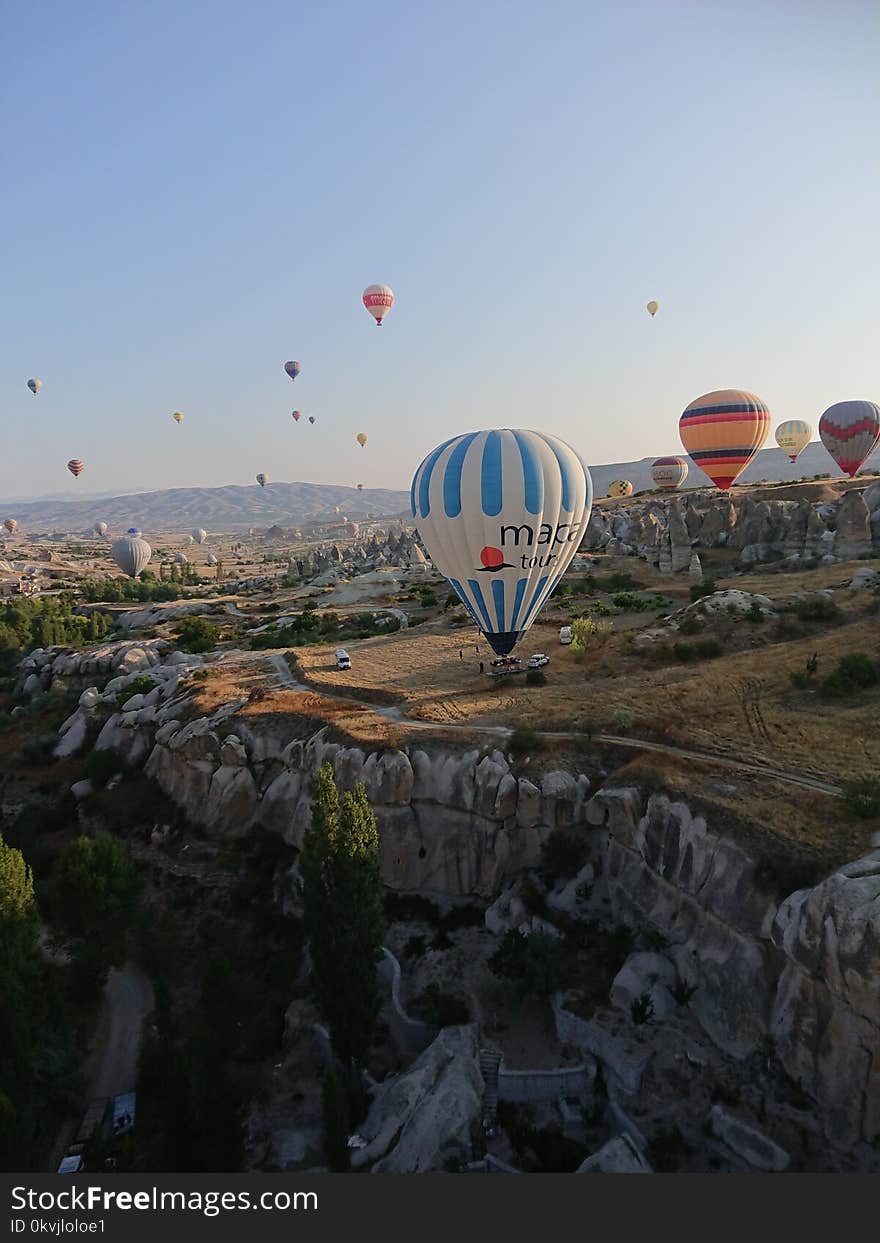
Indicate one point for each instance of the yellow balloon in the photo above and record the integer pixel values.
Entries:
(177, 416)
(653, 308)
(362, 439)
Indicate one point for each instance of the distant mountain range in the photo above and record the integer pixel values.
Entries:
(288, 504)
(225, 509)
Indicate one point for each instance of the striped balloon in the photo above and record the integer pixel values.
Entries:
(850, 431)
(669, 472)
(793, 436)
(620, 487)
(293, 369)
(722, 432)
(76, 466)
(502, 513)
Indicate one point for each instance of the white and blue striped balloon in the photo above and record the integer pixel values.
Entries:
(502, 513)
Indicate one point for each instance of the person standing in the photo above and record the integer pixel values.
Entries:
(481, 666)
(461, 653)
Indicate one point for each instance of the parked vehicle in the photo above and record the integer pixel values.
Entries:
(71, 1164)
(343, 660)
(565, 634)
(538, 661)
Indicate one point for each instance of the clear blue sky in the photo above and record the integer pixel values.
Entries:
(194, 193)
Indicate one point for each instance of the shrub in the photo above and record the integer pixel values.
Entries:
(816, 608)
(564, 855)
(621, 581)
(100, 766)
(755, 615)
(427, 597)
(682, 992)
(415, 947)
(862, 796)
(141, 685)
(196, 634)
(585, 630)
(853, 672)
(690, 625)
(411, 907)
(536, 677)
(532, 963)
(706, 588)
(523, 742)
(642, 1009)
(622, 718)
(704, 649)
(440, 1009)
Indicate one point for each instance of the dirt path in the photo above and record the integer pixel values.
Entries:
(285, 678)
(112, 1064)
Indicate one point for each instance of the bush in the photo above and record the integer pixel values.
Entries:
(532, 963)
(584, 630)
(642, 1009)
(536, 677)
(524, 742)
(564, 855)
(141, 685)
(197, 635)
(622, 718)
(817, 608)
(440, 1009)
(621, 581)
(706, 588)
(705, 649)
(101, 765)
(427, 597)
(690, 625)
(632, 603)
(862, 796)
(854, 672)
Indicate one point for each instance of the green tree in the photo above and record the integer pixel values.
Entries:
(336, 1120)
(342, 896)
(94, 902)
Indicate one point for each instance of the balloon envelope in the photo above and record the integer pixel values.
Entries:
(793, 437)
(177, 416)
(131, 554)
(378, 299)
(199, 535)
(293, 369)
(11, 525)
(76, 466)
(652, 308)
(669, 472)
(360, 487)
(35, 385)
(502, 514)
(722, 431)
(311, 418)
(850, 431)
(180, 558)
(620, 487)
(296, 415)
(100, 528)
(262, 479)
(362, 439)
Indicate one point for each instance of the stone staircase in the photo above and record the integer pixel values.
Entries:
(490, 1060)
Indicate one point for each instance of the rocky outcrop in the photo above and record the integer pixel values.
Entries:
(425, 1117)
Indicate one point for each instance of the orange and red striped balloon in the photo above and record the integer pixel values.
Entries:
(76, 466)
(722, 432)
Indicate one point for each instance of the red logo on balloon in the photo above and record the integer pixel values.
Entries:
(493, 560)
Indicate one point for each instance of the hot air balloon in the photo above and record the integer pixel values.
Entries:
(620, 487)
(178, 417)
(11, 525)
(132, 554)
(35, 386)
(850, 431)
(360, 487)
(502, 514)
(187, 541)
(378, 299)
(262, 479)
(351, 528)
(293, 369)
(135, 532)
(336, 509)
(180, 558)
(722, 432)
(76, 467)
(362, 439)
(793, 437)
(296, 415)
(652, 308)
(212, 560)
(311, 418)
(100, 528)
(669, 472)
(199, 535)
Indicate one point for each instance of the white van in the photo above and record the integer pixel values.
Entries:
(343, 660)
(565, 634)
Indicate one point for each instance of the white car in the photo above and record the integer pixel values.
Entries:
(538, 661)
(565, 635)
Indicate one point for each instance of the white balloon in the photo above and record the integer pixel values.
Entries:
(131, 554)
(502, 514)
